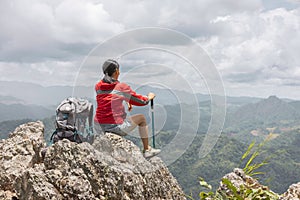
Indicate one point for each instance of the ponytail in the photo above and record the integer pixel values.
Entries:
(109, 67)
(108, 79)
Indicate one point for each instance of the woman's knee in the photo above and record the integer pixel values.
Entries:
(143, 118)
(139, 119)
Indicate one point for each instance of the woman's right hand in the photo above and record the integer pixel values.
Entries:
(151, 96)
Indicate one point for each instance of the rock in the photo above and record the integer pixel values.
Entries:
(240, 180)
(293, 193)
(7, 195)
(111, 168)
(19, 152)
(33, 184)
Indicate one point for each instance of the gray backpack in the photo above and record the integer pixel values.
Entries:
(74, 120)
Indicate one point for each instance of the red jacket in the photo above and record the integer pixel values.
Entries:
(110, 97)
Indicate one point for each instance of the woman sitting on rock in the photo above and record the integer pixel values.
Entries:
(110, 113)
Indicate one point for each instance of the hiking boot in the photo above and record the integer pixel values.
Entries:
(150, 152)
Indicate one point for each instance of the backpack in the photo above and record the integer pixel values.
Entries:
(71, 119)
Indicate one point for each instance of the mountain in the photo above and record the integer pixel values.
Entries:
(36, 94)
(9, 126)
(30, 93)
(10, 100)
(21, 111)
(264, 112)
(242, 100)
(295, 105)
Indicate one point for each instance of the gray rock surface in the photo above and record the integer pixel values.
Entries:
(113, 168)
(7, 195)
(18, 153)
(293, 193)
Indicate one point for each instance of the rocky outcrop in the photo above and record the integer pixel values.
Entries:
(293, 193)
(241, 181)
(111, 168)
(18, 153)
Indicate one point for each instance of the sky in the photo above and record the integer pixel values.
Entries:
(253, 44)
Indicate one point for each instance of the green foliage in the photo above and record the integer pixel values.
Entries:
(251, 167)
(221, 160)
(203, 183)
(207, 195)
(279, 174)
(246, 191)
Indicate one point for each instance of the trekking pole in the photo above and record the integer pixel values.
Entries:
(152, 115)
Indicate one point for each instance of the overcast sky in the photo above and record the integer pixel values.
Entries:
(254, 44)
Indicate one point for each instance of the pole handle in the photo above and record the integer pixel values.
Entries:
(151, 103)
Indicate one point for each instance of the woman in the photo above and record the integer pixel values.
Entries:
(110, 113)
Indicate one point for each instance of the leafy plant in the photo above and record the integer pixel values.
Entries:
(246, 191)
(250, 167)
(210, 194)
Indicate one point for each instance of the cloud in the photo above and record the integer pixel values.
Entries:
(190, 17)
(253, 43)
(294, 1)
(43, 73)
(79, 21)
(257, 48)
(37, 30)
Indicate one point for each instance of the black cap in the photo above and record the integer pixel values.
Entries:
(110, 66)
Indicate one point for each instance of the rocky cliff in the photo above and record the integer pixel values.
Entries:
(111, 168)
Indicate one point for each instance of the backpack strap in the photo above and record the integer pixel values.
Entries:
(54, 133)
(91, 116)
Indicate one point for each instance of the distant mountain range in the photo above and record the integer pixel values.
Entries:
(30, 93)
(270, 109)
(35, 94)
(267, 113)
(21, 111)
(10, 100)
(19, 100)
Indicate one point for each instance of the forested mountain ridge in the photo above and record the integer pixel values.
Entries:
(267, 110)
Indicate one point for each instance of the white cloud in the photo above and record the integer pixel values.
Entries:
(39, 29)
(43, 73)
(254, 43)
(79, 21)
(190, 17)
(257, 48)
